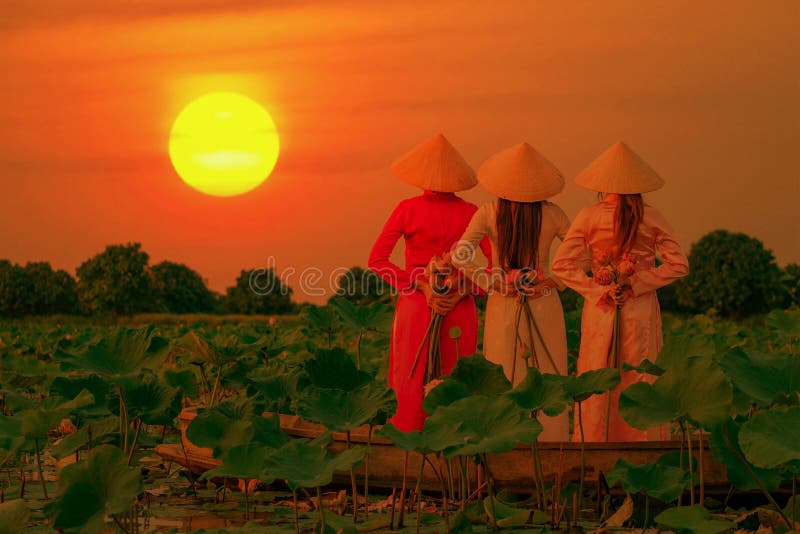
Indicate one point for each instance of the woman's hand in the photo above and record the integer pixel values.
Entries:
(444, 304)
(620, 293)
(542, 289)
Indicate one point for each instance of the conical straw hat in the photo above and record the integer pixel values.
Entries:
(619, 170)
(435, 165)
(520, 174)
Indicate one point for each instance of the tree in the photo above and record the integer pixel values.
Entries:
(116, 281)
(52, 291)
(790, 278)
(180, 289)
(259, 291)
(732, 274)
(16, 289)
(362, 286)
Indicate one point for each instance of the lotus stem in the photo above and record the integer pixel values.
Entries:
(646, 511)
(536, 329)
(358, 349)
(189, 467)
(246, 501)
(517, 321)
(529, 319)
(700, 465)
(391, 511)
(296, 518)
(403, 492)
(39, 467)
(216, 386)
(537, 491)
(753, 475)
(321, 511)
(354, 484)
(583, 451)
(691, 471)
(366, 473)
(419, 349)
(450, 483)
(138, 423)
(490, 489)
(419, 492)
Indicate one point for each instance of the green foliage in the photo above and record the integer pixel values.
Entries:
(733, 275)
(769, 438)
(362, 286)
(695, 519)
(13, 516)
(116, 281)
(102, 485)
(16, 288)
(259, 291)
(693, 390)
(724, 442)
(790, 279)
(305, 465)
(663, 482)
(179, 289)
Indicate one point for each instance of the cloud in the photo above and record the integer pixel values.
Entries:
(20, 14)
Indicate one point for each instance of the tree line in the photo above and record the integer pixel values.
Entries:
(731, 275)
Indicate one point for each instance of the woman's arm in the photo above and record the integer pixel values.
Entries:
(674, 262)
(569, 262)
(379, 261)
(464, 255)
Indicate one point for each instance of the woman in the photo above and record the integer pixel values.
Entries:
(618, 226)
(521, 226)
(430, 224)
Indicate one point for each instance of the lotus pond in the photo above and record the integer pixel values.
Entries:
(85, 406)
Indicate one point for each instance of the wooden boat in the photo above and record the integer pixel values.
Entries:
(512, 470)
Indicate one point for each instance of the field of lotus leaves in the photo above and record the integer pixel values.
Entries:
(83, 407)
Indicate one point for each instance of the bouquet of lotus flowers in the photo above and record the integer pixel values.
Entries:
(525, 281)
(613, 274)
(443, 278)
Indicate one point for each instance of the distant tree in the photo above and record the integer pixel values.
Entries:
(180, 289)
(362, 286)
(16, 290)
(116, 281)
(53, 291)
(790, 279)
(732, 274)
(259, 291)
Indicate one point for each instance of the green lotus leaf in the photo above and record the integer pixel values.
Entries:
(304, 465)
(267, 431)
(186, 380)
(545, 392)
(335, 369)
(344, 410)
(583, 386)
(322, 318)
(376, 316)
(152, 401)
(70, 386)
(94, 431)
(679, 347)
(769, 438)
(446, 392)
(762, 377)
(659, 481)
(272, 385)
(242, 461)
(100, 486)
(213, 429)
(9, 447)
(693, 519)
(480, 424)
(432, 439)
(13, 516)
(481, 376)
(645, 367)
(694, 389)
(737, 474)
(121, 352)
(37, 422)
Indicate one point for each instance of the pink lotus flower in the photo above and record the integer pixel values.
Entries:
(625, 268)
(603, 276)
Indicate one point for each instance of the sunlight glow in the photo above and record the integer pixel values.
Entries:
(224, 144)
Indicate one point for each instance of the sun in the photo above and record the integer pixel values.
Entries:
(224, 144)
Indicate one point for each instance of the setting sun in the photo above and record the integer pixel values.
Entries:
(224, 144)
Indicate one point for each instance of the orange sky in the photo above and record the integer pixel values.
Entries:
(707, 92)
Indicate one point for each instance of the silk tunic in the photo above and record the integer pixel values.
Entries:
(593, 230)
(500, 329)
(430, 225)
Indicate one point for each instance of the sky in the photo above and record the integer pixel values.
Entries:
(707, 92)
